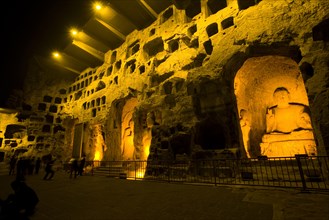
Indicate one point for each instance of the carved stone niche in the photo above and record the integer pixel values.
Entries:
(180, 144)
(273, 107)
(211, 134)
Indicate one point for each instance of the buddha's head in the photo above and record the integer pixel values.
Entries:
(281, 97)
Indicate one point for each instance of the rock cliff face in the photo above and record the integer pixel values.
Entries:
(176, 89)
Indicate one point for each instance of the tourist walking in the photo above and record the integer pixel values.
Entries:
(49, 170)
(20, 166)
(74, 169)
(31, 165)
(81, 166)
(12, 165)
(37, 165)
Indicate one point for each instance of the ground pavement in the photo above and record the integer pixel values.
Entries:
(99, 197)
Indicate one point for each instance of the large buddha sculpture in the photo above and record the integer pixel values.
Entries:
(288, 128)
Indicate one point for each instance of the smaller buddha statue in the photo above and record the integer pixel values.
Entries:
(288, 128)
(245, 129)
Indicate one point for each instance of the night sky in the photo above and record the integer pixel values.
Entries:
(35, 27)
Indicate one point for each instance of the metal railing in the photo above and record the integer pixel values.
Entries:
(301, 171)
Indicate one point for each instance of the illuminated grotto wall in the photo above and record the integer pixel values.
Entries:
(181, 74)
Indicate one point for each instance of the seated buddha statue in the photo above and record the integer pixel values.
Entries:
(288, 127)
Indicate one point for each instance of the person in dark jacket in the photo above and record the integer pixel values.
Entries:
(49, 170)
(20, 168)
(74, 169)
(21, 203)
(12, 165)
(81, 166)
(31, 165)
(37, 165)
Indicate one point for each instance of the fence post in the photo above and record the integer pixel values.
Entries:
(301, 173)
(168, 171)
(214, 171)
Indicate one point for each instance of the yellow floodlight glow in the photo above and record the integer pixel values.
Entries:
(56, 55)
(97, 6)
(74, 32)
(97, 155)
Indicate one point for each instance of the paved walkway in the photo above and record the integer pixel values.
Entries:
(96, 197)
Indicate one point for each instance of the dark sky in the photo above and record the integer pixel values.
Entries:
(35, 27)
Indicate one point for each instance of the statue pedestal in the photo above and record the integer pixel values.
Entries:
(287, 145)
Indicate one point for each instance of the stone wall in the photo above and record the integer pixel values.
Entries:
(181, 73)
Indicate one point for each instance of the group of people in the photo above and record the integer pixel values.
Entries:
(77, 167)
(24, 165)
(30, 165)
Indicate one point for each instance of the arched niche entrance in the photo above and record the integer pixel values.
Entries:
(254, 86)
(127, 129)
